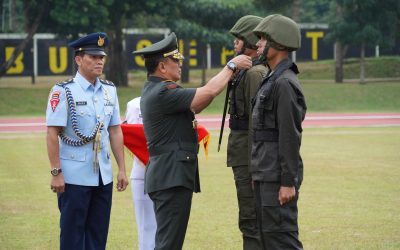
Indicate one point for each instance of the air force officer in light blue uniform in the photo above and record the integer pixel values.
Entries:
(82, 121)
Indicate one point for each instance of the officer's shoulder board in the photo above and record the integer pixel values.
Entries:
(62, 84)
(106, 82)
(171, 84)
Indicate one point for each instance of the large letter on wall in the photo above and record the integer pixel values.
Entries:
(314, 42)
(18, 66)
(54, 66)
(192, 51)
(224, 54)
(140, 45)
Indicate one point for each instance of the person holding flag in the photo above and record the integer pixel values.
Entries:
(144, 213)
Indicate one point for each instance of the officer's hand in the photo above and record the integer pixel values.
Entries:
(122, 181)
(57, 183)
(286, 194)
(242, 62)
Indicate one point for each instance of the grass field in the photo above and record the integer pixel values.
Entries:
(320, 97)
(349, 198)
(20, 98)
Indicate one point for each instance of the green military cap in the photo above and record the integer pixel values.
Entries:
(281, 30)
(164, 48)
(243, 29)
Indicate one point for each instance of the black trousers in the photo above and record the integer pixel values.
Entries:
(85, 216)
(247, 208)
(278, 224)
(172, 210)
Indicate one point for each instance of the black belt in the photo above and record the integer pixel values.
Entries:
(238, 124)
(270, 135)
(169, 147)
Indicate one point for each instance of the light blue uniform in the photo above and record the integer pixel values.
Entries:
(93, 103)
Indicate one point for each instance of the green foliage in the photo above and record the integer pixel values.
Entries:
(366, 21)
(315, 11)
(273, 6)
(74, 17)
(209, 20)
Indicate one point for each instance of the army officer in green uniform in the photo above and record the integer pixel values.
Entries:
(243, 88)
(168, 111)
(278, 112)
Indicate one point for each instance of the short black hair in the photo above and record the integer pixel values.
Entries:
(79, 53)
(152, 63)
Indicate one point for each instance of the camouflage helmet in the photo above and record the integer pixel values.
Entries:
(281, 30)
(243, 29)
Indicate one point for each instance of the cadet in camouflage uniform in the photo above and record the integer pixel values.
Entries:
(278, 111)
(243, 88)
(168, 110)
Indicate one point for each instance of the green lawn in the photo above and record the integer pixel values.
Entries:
(349, 198)
(320, 97)
(18, 97)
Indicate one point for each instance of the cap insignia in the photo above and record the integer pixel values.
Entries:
(100, 42)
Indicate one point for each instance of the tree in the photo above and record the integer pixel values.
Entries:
(365, 23)
(34, 13)
(290, 8)
(208, 22)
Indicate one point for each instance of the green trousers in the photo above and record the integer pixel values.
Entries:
(172, 210)
(247, 208)
(278, 224)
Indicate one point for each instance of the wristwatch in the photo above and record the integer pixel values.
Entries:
(55, 171)
(231, 65)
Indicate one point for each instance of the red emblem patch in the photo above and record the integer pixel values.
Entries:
(172, 86)
(54, 100)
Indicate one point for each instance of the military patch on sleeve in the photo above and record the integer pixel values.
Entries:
(54, 99)
(172, 86)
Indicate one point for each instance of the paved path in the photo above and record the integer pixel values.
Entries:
(212, 122)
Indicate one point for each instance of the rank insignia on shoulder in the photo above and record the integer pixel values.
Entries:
(65, 82)
(54, 99)
(106, 82)
(172, 86)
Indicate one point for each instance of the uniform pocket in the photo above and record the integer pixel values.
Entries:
(277, 218)
(271, 212)
(84, 116)
(269, 114)
(73, 155)
(185, 156)
(108, 112)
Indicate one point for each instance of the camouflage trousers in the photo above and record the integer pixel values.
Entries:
(247, 208)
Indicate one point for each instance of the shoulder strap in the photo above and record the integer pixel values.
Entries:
(106, 82)
(62, 84)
